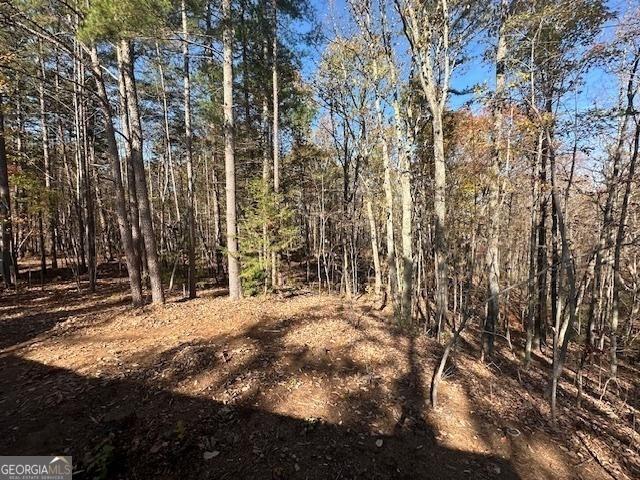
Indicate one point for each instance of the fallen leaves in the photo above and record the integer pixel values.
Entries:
(302, 360)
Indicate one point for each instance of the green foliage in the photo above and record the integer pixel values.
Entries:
(266, 228)
(561, 32)
(34, 198)
(254, 274)
(302, 113)
(123, 19)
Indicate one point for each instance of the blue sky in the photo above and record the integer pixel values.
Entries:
(599, 88)
(334, 14)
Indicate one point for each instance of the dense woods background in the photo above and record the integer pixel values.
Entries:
(465, 163)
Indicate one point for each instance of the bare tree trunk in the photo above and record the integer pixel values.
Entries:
(51, 210)
(42, 251)
(84, 166)
(439, 207)
(80, 154)
(275, 260)
(542, 262)
(620, 235)
(434, 60)
(404, 163)
(188, 146)
(90, 225)
(346, 271)
(165, 113)
(19, 231)
(217, 227)
(266, 168)
(235, 289)
(492, 255)
(133, 263)
(391, 249)
(265, 178)
(565, 321)
(392, 271)
(377, 288)
(146, 223)
(533, 256)
(5, 209)
(407, 234)
(134, 213)
(102, 218)
(439, 369)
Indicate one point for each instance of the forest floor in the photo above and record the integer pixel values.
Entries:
(309, 387)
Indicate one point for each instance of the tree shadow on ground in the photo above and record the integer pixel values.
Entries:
(31, 314)
(143, 417)
(21, 324)
(132, 429)
(530, 412)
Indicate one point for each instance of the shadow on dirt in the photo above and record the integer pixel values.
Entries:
(29, 321)
(117, 428)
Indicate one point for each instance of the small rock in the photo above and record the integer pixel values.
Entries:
(210, 455)
(379, 443)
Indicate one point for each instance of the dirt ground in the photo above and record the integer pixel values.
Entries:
(307, 387)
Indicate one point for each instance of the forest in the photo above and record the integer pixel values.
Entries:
(346, 239)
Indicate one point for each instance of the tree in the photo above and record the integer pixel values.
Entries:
(8, 268)
(146, 223)
(235, 289)
(557, 33)
(122, 21)
(48, 174)
(188, 147)
(492, 257)
(124, 227)
(621, 231)
(437, 32)
(276, 119)
(265, 210)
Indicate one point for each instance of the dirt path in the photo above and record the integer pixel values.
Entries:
(307, 387)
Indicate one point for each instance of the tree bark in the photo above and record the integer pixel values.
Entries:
(134, 213)
(165, 114)
(564, 325)
(188, 146)
(146, 223)
(434, 61)
(532, 304)
(235, 289)
(440, 209)
(620, 234)
(90, 224)
(6, 236)
(392, 271)
(539, 337)
(275, 267)
(377, 288)
(133, 263)
(492, 255)
(80, 132)
(407, 238)
(48, 174)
